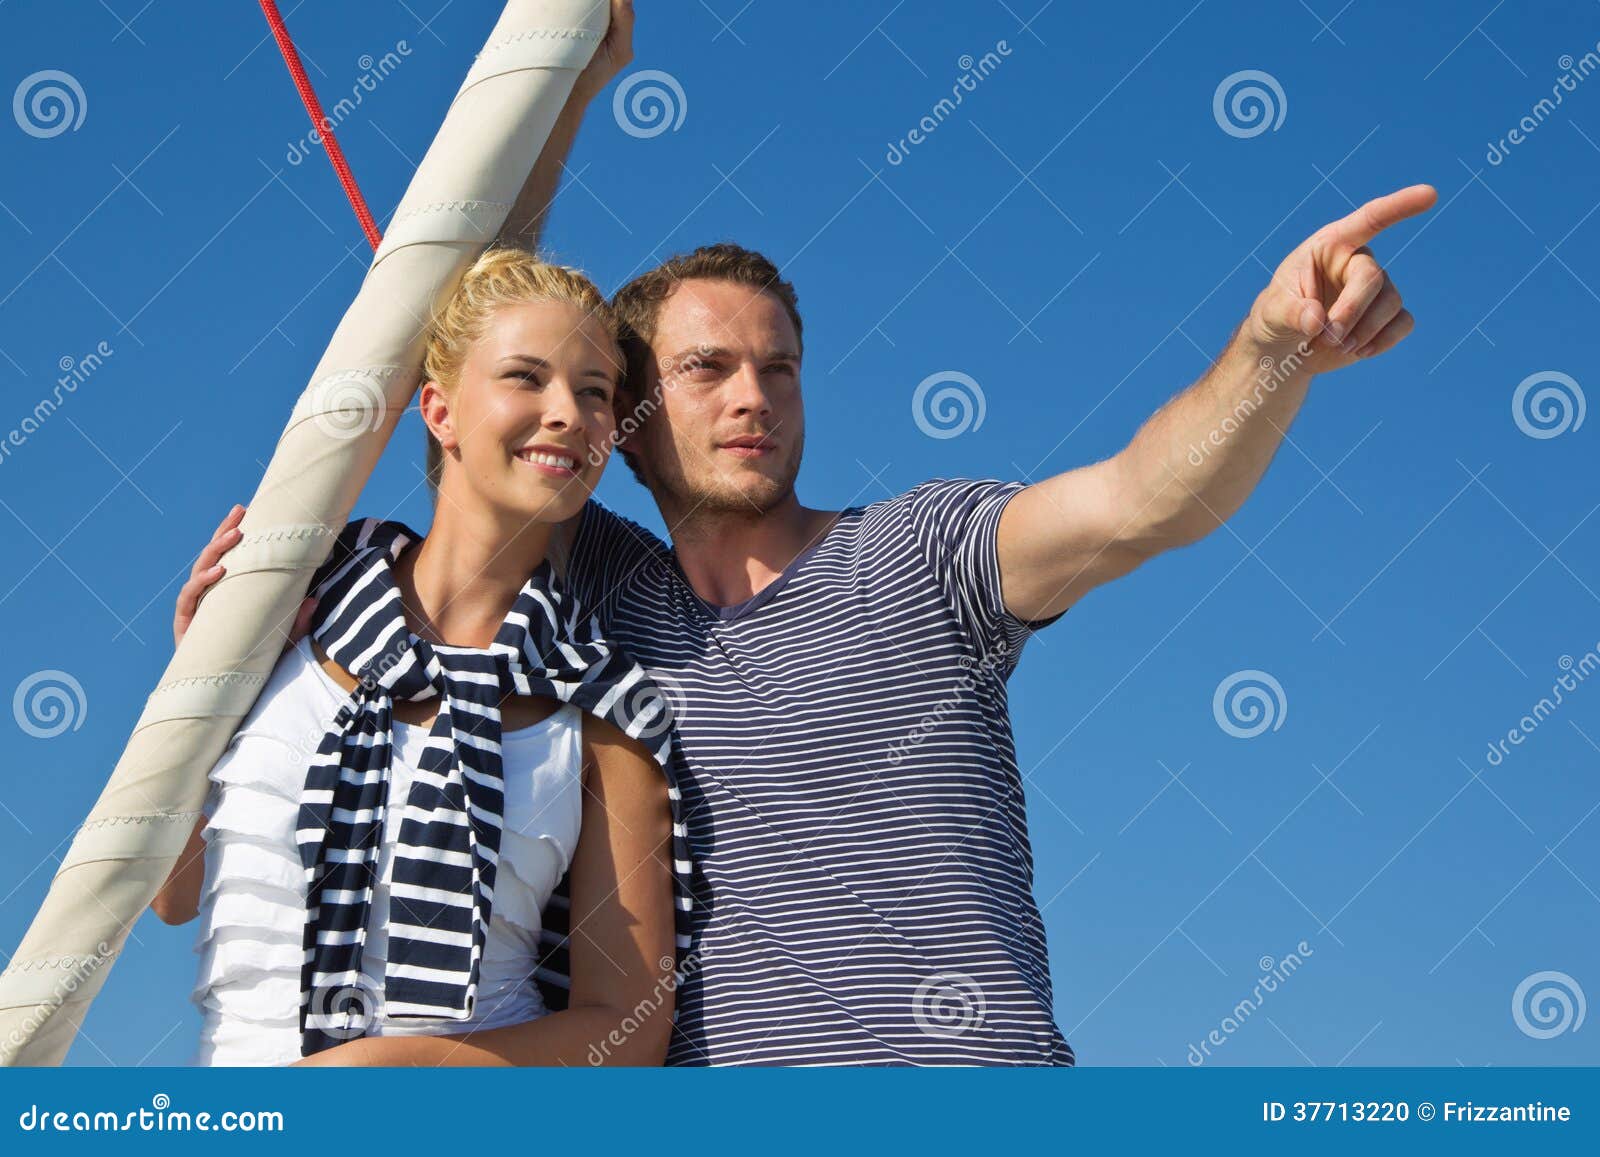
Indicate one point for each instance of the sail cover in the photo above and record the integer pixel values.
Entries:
(455, 205)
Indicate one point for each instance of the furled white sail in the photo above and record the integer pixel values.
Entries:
(454, 206)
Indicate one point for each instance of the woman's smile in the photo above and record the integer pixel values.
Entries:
(552, 460)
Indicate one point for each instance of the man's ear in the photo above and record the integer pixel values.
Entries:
(625, 415)
(435, 410)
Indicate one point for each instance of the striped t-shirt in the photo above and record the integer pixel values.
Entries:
(864, 882)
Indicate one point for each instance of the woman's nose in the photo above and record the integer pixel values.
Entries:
(561, 409)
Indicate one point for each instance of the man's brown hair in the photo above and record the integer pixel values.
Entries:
(637, 306)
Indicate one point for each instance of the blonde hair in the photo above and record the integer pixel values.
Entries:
(501, 276)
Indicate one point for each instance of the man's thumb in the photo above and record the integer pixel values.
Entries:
(1284, 316)
(1307, 316)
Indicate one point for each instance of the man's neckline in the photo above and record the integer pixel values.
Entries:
(734, 611)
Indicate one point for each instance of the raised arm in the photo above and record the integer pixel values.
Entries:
(1193, 463)
(622, 999)
(525, 223)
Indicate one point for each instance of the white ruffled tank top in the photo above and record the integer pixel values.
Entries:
(253, 901)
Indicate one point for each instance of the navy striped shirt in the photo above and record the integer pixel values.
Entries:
(864, 882)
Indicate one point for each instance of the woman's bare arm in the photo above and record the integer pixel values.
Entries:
(622, 947)
(178, 902)
(524, 224)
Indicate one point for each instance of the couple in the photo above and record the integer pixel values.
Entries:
(835, 814)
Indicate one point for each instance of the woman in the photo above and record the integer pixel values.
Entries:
(444, 754)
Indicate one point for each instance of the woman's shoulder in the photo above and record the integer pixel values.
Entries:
(299, 698)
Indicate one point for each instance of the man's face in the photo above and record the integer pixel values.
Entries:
(730, 426)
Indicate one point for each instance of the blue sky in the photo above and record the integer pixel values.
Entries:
(1077, 237)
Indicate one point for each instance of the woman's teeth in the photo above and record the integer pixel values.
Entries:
(558, 461)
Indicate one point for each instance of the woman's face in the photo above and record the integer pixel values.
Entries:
(530, 423)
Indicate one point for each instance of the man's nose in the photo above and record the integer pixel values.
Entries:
(748, 393)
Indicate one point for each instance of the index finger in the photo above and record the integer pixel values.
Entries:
(229, 520)
(1376, 215)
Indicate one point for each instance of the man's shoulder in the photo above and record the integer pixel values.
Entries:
(607, 550)
(598, 527)
(942, 499)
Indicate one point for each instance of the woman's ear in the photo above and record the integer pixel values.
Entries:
(435, 409)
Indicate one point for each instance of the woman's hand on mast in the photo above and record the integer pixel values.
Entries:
(613, 54)
(208, 571)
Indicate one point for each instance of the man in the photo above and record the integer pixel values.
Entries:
(838, 678)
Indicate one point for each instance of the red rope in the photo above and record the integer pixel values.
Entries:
(308, 97)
